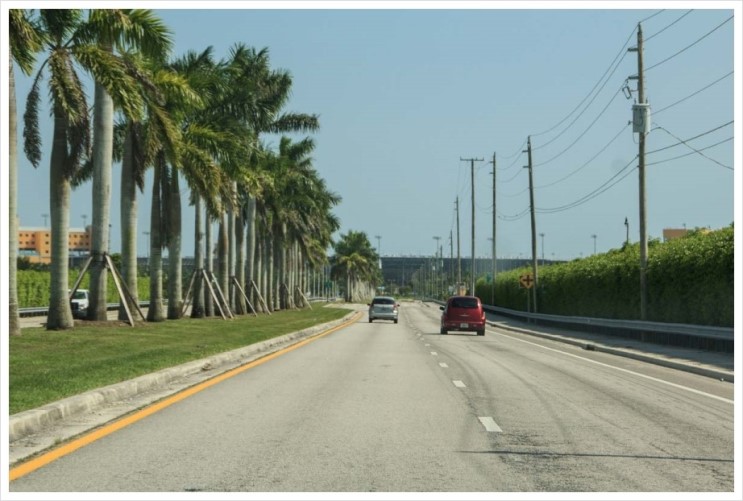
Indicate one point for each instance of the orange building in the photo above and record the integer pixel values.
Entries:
(673, 233)
(35, 245)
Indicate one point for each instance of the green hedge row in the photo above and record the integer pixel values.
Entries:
(34, 285)
(690, 280)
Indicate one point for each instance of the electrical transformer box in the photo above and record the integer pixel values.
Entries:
(641, 118)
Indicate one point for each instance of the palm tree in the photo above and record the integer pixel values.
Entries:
(209, 143)
(114, 30)
(261, 94)
(355, 259)
(141, 140)
(67, 47)
(25, 42)
(300, 204)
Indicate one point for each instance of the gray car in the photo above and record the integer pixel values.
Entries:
(383, 308)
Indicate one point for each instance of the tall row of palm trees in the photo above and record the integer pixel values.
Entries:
(194, 119)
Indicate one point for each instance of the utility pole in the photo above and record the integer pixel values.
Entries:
(641, 119)
(472, 177)
(459, 255)
(451, 256)
(435, 266)
(533, 225)
(495, 267)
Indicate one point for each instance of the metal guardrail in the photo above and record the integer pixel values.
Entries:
(43, 311)
(698, 331)
(704, 331)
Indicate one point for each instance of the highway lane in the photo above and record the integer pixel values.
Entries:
(385, 407)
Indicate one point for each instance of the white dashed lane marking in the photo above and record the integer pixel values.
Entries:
(490, 424)
(434, 353)
(459, 384)
(442, 364)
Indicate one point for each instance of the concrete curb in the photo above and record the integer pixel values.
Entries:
(653, 359)
(32, 421)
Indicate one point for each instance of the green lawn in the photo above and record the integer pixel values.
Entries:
(46, 366)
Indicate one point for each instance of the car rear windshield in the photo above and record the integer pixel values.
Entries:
(383, 300)
(463, 302)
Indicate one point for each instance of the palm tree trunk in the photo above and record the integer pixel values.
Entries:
(251, 253)
(223, 265)
(230, 292)
(128, 206)
(156, 312)
(175, 270)
(269, 274)
(209, 257)
(103, 127)
(278, 263)
(240, 306)
(197, 305)
(60, 313)
(258, 269)
(14, 323)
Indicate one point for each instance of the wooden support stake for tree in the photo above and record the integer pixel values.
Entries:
(107, 261)
(81, 275)
(224, 300)
(130, 296)
(214, 295)
(304, 297)
(258, 292)
(237, 284)
(188, 293)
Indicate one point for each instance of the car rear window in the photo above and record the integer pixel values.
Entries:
(463, 302)
(383, 300)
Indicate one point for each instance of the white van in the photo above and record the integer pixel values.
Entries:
(79, 303)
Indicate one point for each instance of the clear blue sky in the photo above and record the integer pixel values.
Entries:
(403, 94)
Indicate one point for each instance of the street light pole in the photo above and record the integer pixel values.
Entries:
(147, 233)
(379, 249)
(594, 243)
(542, 235)
(626, 224)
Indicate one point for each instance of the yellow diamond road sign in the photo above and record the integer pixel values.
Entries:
(526, 281)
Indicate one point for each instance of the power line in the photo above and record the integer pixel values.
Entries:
(690, 45)
(516, 217)
(685, 143)
(693, 94)
(585, 131)
(622, 52)
(590, 160)
(593, 194)
(696, 151)
(653, 15)
(668, 26)
(512, 178)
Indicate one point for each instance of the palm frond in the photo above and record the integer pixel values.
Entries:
(25, 37)
(31, 134)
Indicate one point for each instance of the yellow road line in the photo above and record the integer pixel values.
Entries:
(70, 447)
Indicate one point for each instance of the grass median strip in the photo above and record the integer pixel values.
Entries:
(46, 366)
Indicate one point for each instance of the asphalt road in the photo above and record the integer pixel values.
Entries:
(400, 408)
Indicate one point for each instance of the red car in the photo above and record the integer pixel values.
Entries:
(463, 313)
